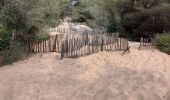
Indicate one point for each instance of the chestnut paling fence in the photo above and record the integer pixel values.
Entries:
(50, 44)
(89, 44)
(145, 42)
(72, 46)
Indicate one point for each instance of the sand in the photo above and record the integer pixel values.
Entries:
(139, 75)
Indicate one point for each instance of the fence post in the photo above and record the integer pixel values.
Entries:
(102, 44)
(120, 43)
(62, 51)
(54, 44)
(141, 43)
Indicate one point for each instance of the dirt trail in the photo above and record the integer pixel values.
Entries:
(139, 75)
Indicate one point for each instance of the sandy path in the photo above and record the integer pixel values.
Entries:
(139, 75)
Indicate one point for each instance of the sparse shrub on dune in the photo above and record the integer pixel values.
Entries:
(163, 42)
(15, 53)
(28, 19)
(4, 39)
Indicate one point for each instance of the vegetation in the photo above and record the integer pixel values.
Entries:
(4, 39)
(13, 54)
(28, 19)
(135, 17)
(163, 42)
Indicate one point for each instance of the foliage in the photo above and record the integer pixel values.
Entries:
(163, 42)
(13, 54)
(135, 17)
(41, 36)
(29, 17)
(147, 22)
(81, 12)
(29, 20)
(4, 39)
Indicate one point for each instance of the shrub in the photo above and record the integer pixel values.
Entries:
(163, 42)
(15, 53)
(41, 36)
(4, 39)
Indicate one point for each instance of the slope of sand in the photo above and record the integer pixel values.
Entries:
(139, 75)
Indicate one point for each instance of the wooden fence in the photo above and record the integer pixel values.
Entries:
(72, 30)
(145, 42)
(89, 44)
(60, 30)
(72, 46)
(50, 44)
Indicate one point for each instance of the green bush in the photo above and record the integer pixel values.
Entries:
(163, 42)
(15, 53)
(41, 36)
(4, 39)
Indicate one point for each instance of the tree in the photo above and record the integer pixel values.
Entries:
(29, 17)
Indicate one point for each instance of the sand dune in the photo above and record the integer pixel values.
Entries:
(139, 75)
